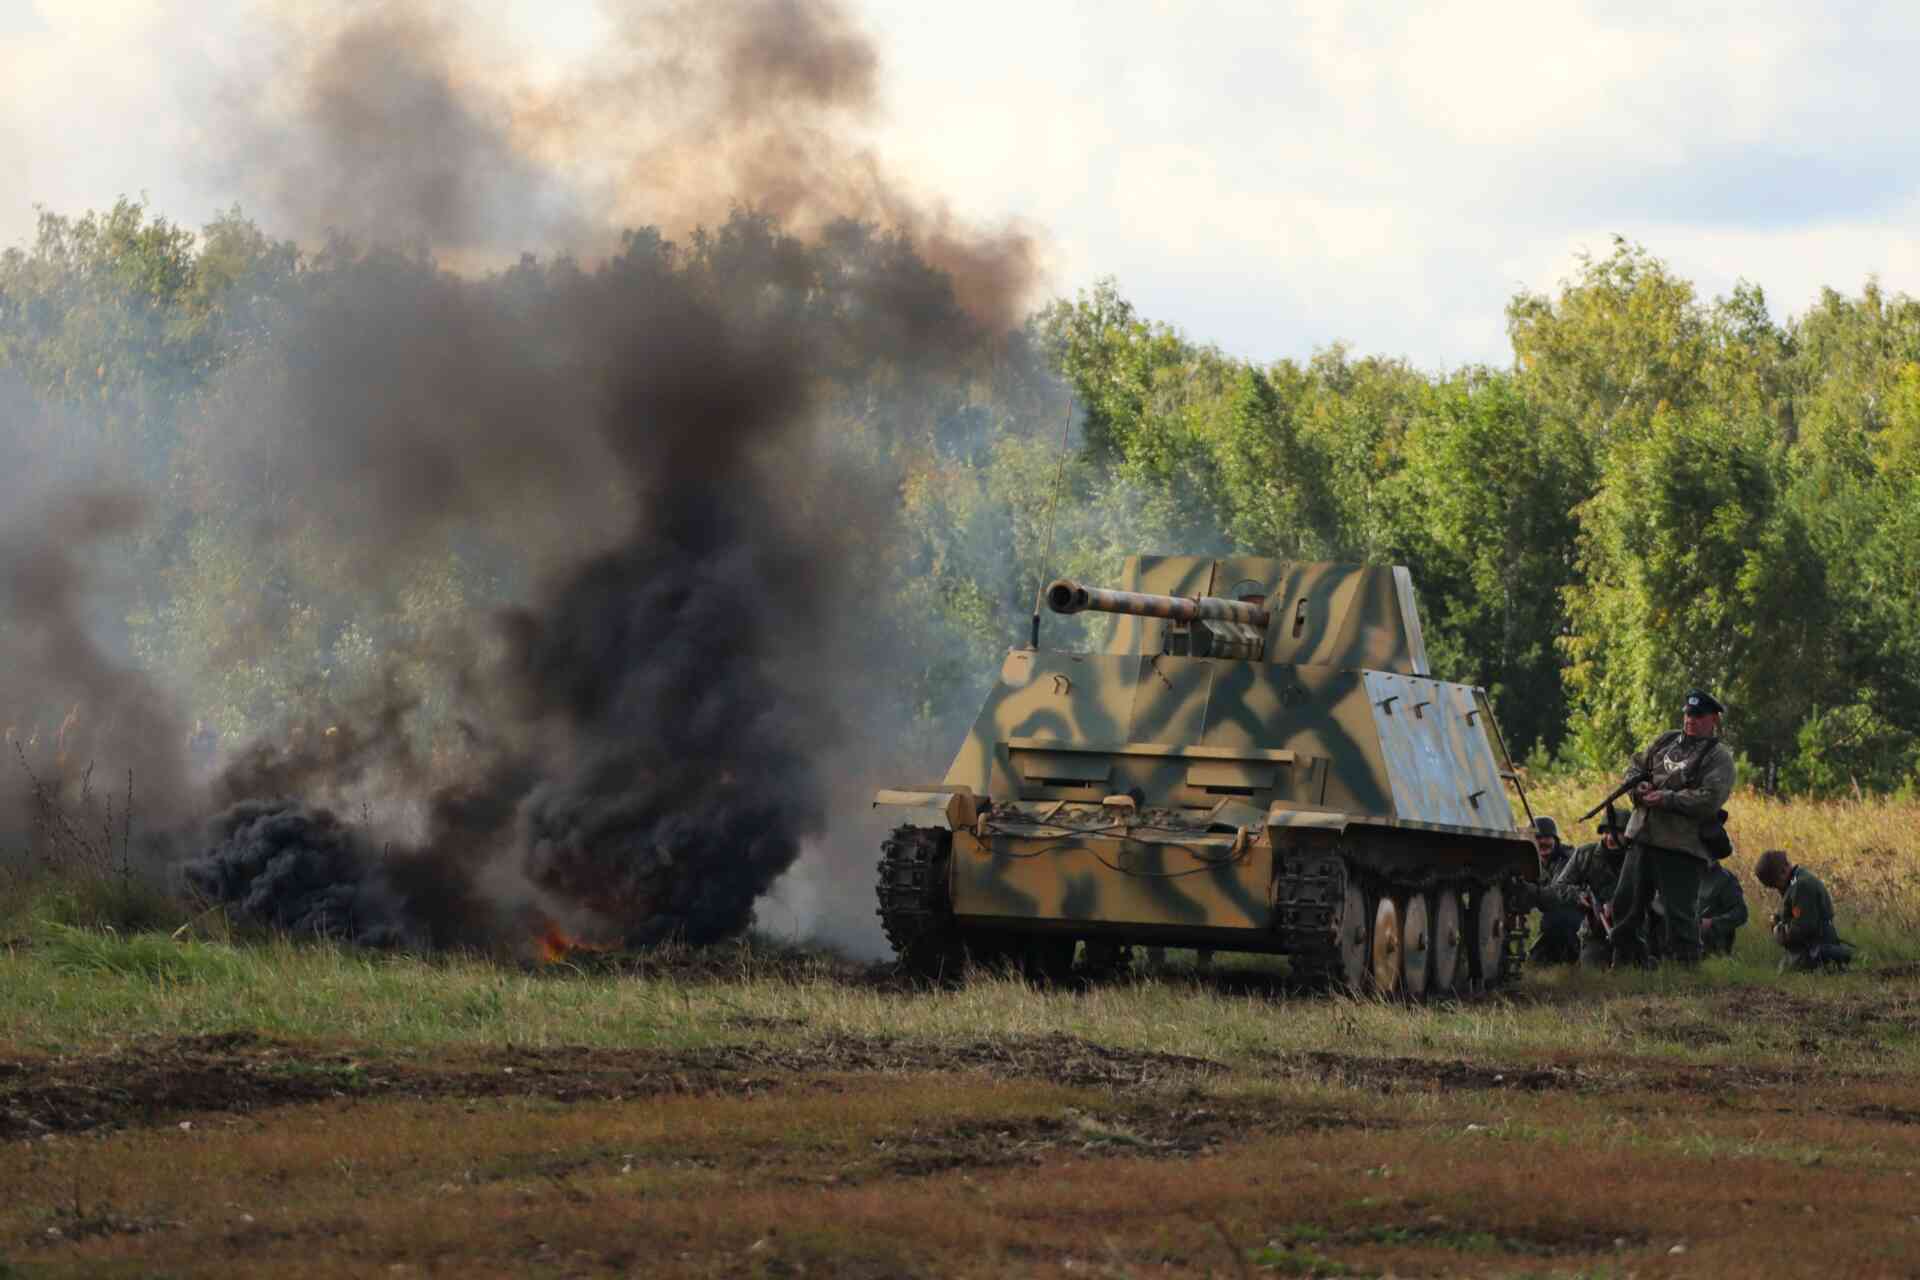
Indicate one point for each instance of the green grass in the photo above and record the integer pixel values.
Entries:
(65, 988)
(157, 959)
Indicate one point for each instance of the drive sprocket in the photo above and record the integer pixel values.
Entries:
(916, 911)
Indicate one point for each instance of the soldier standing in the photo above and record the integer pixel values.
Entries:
(1722, 908)
(1684, 779)
(1804, 924)
(1587, 880)
(1559, 941)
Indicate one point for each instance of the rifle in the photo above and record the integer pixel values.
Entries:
(1634, 779)
(1596, 916)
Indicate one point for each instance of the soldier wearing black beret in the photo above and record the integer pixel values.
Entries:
(1684, 779)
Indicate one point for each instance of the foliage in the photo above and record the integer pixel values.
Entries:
(1490, 488)
(1661, 491)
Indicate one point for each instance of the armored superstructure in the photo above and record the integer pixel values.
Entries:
(1260, 760)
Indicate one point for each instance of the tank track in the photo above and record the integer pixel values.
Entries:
(1310, 887)
(917, 916)
(914, 911)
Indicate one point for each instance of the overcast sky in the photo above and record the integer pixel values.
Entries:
(1270, 177)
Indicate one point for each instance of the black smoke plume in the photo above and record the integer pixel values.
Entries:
(644, 734)
(304, 872)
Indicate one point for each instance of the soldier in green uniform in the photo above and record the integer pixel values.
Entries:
(1685, 778)
(1803, 925)
(1584, 882)
(1722, 909)
(1559, 940)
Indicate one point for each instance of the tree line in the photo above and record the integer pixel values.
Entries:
(1661, 490)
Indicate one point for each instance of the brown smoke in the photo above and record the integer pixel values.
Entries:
(397, 124)
(369, 121)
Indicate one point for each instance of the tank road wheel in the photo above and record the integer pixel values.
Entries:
(1416, 944)
(1387, 946)
(1487, 934)
(1354, 957)
(1449, 957)
(915, 910)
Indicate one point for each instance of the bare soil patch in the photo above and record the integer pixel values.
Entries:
(160, 1082)
(157, 1083)
(1154, 1128)
(1591, 1074)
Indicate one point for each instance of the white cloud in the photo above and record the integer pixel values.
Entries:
(1390, 176)
(1268, 176)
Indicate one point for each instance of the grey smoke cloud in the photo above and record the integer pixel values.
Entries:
(404, 123)
(651, 730)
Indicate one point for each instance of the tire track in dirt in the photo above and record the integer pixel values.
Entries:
(156, 1083)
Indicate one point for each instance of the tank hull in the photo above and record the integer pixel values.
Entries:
(1155, 795)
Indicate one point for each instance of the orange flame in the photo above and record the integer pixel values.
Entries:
(556, 944)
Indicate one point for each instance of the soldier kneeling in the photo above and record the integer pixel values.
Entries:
(1559, 941)
(1804, 924)
(1722, 908)
(1585, 882)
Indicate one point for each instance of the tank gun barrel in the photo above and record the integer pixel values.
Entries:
(1064, 595)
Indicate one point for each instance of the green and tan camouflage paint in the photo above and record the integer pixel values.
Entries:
(1139, 792)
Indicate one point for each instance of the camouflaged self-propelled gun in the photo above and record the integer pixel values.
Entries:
(1259, 761)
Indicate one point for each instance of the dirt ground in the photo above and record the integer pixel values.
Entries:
(159, 1083)
(1048, 1155)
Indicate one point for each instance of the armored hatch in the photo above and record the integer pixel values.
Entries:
(1259, 760)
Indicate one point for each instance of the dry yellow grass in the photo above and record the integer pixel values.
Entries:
(1867, 850)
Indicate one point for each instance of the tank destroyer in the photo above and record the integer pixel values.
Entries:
(1260, 760)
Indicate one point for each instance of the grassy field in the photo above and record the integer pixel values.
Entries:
(194, 1106)
(200, 1108)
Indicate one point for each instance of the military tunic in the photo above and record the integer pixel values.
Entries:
(1665, 856)
(1804, 924)
(1559, 941)
(1593, 869)
(1675, 825)
(1723, 908)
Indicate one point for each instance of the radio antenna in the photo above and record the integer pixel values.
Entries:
(1053, 515)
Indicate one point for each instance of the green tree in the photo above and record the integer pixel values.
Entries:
(1695, 569)
(1276, 484)
(1488, 499)
(1622, 341)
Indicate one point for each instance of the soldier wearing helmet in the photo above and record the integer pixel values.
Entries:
(1803, 926)
(1681, 780)
(1586, 882)
(1559, 941)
